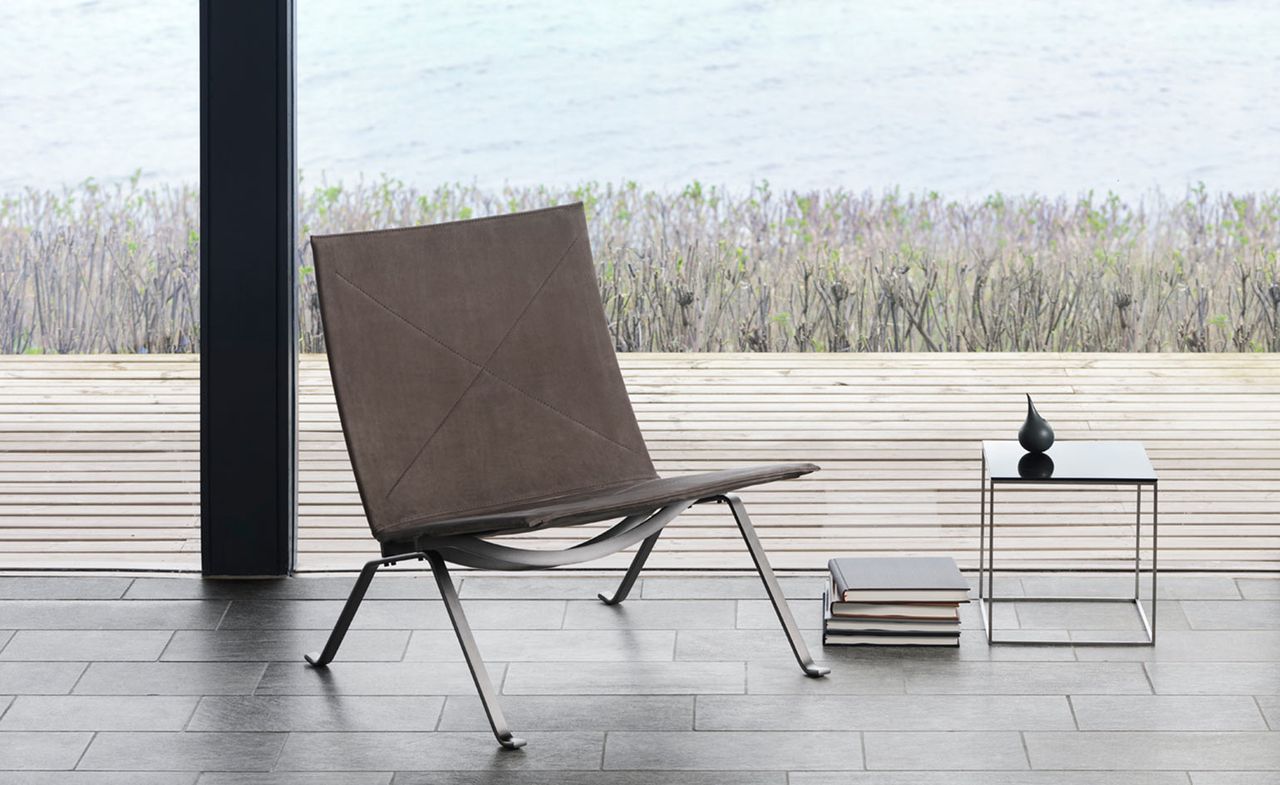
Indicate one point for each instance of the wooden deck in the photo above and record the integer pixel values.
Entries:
(99, 464)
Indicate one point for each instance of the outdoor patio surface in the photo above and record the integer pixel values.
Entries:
(144, 681)
(99, 461)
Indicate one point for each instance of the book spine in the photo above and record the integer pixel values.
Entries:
(838, 582)
(939, 644)
(854, 613)
(889, 634)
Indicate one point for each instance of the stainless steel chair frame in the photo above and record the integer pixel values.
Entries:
(473, 551)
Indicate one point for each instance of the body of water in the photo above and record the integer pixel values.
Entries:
(961, 98)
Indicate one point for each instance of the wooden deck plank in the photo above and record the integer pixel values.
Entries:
(99, 463)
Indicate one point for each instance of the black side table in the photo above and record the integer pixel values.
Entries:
(1066, 463)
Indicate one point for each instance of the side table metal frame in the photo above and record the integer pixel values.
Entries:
(986, 563)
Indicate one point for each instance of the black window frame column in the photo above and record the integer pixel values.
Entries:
(248, 324)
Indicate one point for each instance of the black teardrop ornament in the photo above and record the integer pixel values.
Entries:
(1035, 435)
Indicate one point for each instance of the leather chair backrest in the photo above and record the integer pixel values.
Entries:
(473, 366)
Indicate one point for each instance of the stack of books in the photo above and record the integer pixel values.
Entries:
(893, 602)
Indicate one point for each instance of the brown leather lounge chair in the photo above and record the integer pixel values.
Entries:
(480, 395)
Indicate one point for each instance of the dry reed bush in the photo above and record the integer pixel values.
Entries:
(95, 269)
(704, 270)
(833, 271)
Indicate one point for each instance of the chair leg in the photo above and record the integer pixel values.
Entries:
(637, 563)
(776, 596)
(472, 653)
(349, 610)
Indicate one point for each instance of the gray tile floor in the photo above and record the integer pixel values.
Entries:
(159, 681)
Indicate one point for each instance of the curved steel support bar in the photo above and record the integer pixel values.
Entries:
(771, 586)
(483, 554)
(479, 675)
(349, 609)
(624, 525)
(633, 571)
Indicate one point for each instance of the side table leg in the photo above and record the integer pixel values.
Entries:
(991, 564)
(1137, 549)
(1155, 554)
(982, 527)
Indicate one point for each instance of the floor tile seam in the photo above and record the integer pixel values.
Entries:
(1265, 721)
(408, 641)
(885, 731)
(1126, 731)
(226, 610)
(195, 709)
(909, 693)
(620, 662)
(361, 628)
(444, 704)
(476, 731)
(84, 670)
(1185, 774)
(262, 674)
(275, 760)
(1216, 734)
(782, 731)
(80, 758)
(165, 648)
(1026, 751)
(142, 600)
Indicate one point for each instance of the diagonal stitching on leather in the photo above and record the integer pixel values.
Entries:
(442, 345)
(482, 369)
(391, 311)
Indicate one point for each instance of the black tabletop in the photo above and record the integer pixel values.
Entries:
(1068, 462)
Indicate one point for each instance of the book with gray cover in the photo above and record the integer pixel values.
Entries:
(925, 579)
